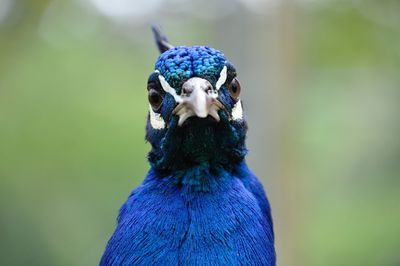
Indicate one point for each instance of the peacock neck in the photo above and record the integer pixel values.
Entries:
(202, 146)
(201, 177)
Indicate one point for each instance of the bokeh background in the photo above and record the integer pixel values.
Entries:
(321, 91)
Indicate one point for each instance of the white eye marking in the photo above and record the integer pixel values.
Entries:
(237, 111)
(222, 78)
(156, 121)
(167, 88)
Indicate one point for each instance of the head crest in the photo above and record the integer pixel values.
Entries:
(161, 40)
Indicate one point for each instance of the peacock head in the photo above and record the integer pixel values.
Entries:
(195, 111)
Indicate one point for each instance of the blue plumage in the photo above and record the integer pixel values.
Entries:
(199, 203)
(180, 63)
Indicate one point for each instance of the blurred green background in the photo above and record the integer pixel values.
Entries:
(321, 90)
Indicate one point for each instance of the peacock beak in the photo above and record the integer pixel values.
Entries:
(198, 98)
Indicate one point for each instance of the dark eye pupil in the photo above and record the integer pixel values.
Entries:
(234, 87)
(154, 98)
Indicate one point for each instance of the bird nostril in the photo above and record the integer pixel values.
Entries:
(185, 91)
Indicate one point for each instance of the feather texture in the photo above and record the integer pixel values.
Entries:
(223, 222)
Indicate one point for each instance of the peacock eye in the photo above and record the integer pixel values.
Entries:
(234, 89)
(155, 99)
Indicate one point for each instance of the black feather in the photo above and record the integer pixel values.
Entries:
(161, 40)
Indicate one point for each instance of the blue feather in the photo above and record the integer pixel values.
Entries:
(225, 222)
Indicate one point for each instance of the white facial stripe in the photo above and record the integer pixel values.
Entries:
(167, 88)
(222, 78)
(156, 121)
(237, 111)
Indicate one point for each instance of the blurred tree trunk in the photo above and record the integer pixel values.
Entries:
(287, 23)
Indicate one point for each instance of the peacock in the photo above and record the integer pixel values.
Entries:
(199, 203)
